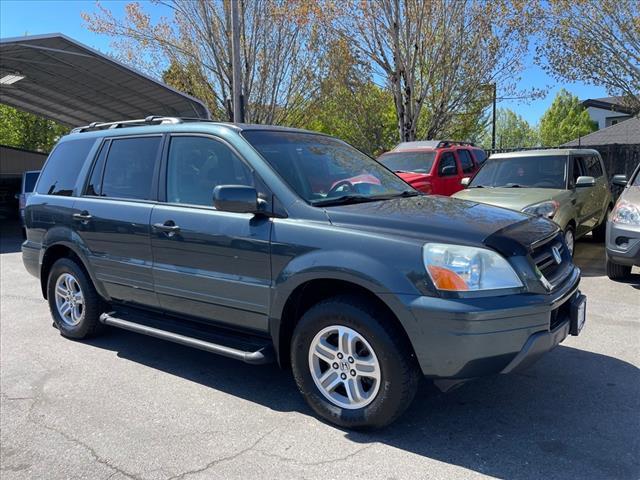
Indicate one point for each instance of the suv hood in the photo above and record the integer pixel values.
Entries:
(513, 198)
(442, 219)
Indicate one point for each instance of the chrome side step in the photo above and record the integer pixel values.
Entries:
(264, 354)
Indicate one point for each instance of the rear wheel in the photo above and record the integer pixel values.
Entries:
(351, 365)
(74, 303)
(616, 271)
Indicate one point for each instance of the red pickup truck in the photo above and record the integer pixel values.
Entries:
(434, 167)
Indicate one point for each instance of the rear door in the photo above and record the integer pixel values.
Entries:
(112, 216)
(210, 264)
(448, 174)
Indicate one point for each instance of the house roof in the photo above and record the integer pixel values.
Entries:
(625, 132)
(614, 104)
(75, 85)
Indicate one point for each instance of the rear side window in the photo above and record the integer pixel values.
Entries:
(61, 170)
(480, 155)
(447, 166)
(129, 168)
(592, 164)
(465, 161)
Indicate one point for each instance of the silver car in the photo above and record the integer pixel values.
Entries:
(623, 228)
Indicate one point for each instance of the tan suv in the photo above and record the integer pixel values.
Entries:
(569, 186)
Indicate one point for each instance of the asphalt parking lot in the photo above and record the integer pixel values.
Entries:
(128, 406)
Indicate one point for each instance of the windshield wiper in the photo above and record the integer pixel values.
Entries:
(514, 185)
(345, 200)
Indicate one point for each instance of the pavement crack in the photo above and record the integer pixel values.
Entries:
(314, 464)
(228, 458)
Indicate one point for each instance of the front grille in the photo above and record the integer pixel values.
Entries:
(544, 257)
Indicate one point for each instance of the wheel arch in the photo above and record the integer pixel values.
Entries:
(309, 293)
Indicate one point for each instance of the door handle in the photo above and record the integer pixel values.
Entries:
(83, 216)
(168, 227)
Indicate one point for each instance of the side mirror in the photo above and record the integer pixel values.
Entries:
(236, 199)
(619, 180)
(465, 182)
(448, 170)
(585, 181)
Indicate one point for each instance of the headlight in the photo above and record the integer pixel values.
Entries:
(460, 268)
(625, 212)
(544, 209)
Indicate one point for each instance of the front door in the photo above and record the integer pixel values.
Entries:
(449, 174)
(581, 197)
(206, 263)
(112, 217)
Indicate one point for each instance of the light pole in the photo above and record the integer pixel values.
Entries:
(493, 120)
(236, 86)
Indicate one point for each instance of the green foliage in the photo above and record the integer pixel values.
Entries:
(26, 130)
(565, 120)
(512, 131)
(350, 106)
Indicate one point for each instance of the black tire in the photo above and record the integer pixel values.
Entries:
(400, 373)
(616, 271)
(600, 232)
(93, 307)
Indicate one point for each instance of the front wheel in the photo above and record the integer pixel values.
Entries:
(570, 239)
(353, 367)
(616, 271)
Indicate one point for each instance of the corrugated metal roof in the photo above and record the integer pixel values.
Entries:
(76, 85)
(625, 132)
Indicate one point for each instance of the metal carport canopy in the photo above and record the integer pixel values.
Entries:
(76, 85)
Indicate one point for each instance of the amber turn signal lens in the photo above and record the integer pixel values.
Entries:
(445, 279)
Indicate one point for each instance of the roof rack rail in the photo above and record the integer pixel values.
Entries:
(150, 120)
(430, 144)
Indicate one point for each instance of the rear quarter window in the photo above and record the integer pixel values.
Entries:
(63, 166)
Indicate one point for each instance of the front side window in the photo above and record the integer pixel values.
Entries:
(322, 169)
(465, 161)
(61, 171)
(535, 171)
(594, 169)
(414, 162)
(447, 166)
(130, 163)
(196, 165)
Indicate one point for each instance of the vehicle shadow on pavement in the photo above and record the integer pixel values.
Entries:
(590, 257)
(572, 415)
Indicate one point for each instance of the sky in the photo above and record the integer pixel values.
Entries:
(32, 17)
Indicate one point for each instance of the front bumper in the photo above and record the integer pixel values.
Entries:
(474, 337)
(623, 244)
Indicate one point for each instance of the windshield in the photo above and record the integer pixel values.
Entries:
(416, 162)
(535, 171)
(635, 181)
(322, 169)
(30, 179)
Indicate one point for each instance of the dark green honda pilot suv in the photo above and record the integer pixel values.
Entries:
(272, 244)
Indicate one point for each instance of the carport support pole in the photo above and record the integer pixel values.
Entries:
(235, 61)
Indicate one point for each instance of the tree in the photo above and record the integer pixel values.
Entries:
(565, 120)
(594, 41)
(512, 131)
(280, 49)
(25, 130)
(350, 106)
(438, 56)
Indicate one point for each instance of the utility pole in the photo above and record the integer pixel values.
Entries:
(493, 120)
(238, 111)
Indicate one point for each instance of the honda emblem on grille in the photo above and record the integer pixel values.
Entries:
(556, 254)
